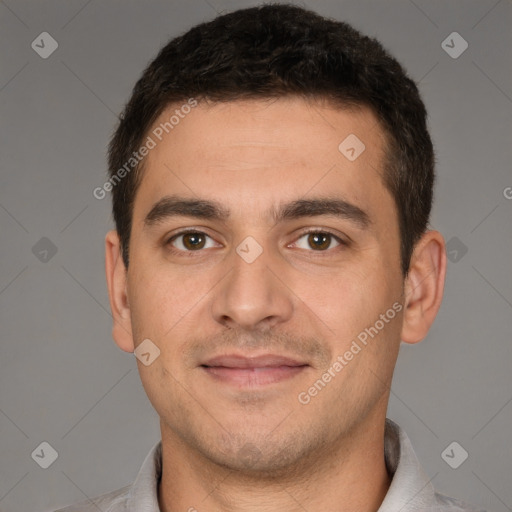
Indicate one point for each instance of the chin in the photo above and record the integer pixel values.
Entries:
(256, 456)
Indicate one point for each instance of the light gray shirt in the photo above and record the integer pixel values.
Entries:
(410, 489)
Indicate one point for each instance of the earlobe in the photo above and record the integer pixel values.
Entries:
(424, 286)
(116, 275)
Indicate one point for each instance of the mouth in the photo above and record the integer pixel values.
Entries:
(243, 371)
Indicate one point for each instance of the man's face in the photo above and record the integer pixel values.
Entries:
(251, 308)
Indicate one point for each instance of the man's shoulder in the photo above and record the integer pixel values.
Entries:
(114, 501)
(447, 504)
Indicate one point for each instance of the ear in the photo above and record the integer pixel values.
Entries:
(424, 286)
(116, 281)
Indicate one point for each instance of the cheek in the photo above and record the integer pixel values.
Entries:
(165, 307)
(348, 302)
(152, 303)
(159, 298)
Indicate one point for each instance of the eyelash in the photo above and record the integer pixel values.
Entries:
(196, 232)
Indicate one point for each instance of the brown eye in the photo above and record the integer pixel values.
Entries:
(319, 241)
(193, 241)
(190, 241)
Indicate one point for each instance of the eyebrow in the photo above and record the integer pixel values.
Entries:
(177, 206)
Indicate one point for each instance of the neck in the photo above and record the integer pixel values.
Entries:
(350, 476)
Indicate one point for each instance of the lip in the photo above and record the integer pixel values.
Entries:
(244, 371)
(264, 360)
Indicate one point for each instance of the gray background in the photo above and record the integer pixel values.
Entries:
(62, 378)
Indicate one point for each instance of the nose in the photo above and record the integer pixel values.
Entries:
(253, 296)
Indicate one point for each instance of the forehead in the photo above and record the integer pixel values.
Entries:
(260, 152)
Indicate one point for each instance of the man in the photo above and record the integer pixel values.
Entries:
(272, 182)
